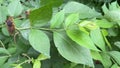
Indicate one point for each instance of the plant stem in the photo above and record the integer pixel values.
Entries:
(83, 65)
(48, 29)
(23, 28)
(2, 44)
(26, 55)
(29, 60)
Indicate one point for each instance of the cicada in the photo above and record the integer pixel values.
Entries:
(10, 25)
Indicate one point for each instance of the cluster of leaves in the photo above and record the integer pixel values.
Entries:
(58, 34)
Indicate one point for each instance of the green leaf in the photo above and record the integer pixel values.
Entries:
(25, 33)
(42, 57)
(104, 23)
(71, 19)
(98, 39)
(115, 66)
(106, 60)
(57, 20)
(81, 38)
(89, 25)
(37, 64)
(96, 55)
(17, 22)
(113, 6)
(18, 66)
(5, 31)
(84, 30)
(113, 16)
(40, 42)
(1, 1)
(3, 59)
(112, 32)
(72, 51)
(27, 65)
(75, 7)
(117, 43)
(41, 16)
(54, 3)
(15, 8)
(103, 58)
(22, 46)
(104, 33)
(9, 63)
(3, 14)
(12, 50)
(105, 9)
(32, 52)
(4, 51)
(115, 55)
(34, 3)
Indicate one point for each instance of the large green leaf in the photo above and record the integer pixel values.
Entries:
(41, 16)
(25, 33)
(54, 3)
(85, 11)
(57, 20)
(3, 14)
(98, 39)
(40, 42)
(115, 55)
(81, 38)
(72, 18)
(15, 8)
(72, 51)
(104, 23)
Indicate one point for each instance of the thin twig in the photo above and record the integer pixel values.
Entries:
(15, 36)
(26, 56)
(29, 60)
